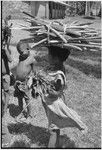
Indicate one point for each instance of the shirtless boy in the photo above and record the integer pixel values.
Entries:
(23, 71)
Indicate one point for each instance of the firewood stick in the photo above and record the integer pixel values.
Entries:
(95, 40)
(66, 46)
(60, 23)
(77, 27)
(86, 45)
(92, 34)
(36, 19)
(29, 28)
(72, 46)
(83, 31)
(38, 43)
(88, 23)
(44, 32)
(88, 38)
(96, 44)
(68, 31)
(58, 34)
(28, 14)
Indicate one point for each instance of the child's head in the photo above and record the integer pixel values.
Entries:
(23, 48)
(60, 53)
(57, 56)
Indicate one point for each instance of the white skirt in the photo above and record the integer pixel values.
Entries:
(61, 116)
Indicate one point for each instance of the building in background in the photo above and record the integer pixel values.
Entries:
(48, 9)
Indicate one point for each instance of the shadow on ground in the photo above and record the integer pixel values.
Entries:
(88, 69)
(37, 135)
(14, 110)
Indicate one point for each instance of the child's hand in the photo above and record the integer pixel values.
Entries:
(52, 92)
(42, 74)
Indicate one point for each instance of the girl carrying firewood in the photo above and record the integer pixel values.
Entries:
(58, 114)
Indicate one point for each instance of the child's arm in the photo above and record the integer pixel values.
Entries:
(31, 60)
(8, 55)
(59, 86)
(54, 93)
(57, 91)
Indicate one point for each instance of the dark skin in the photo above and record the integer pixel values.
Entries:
(6, 57)
(57, 91)
(23, 70)
(24, 67)
(54, 93)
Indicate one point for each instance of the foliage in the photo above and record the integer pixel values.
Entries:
(79, 8)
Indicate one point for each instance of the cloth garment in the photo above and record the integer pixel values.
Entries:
(58, 113)
(5, 65)
(22, 91)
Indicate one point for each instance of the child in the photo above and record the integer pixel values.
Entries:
(23, 71)
(58, 114)
(6, 57)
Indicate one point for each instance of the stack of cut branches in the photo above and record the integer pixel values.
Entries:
(73, 35)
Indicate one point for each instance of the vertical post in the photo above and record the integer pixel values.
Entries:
(87, 10)
(75, 7)
(51, 8)
(61, 11)
(57, 7)
(55, 10)
(33, 8)
(58, 11)
(47, 10)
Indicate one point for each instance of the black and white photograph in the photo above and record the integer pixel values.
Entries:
(51, 74)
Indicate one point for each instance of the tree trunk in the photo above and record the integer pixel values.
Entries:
(87, 10)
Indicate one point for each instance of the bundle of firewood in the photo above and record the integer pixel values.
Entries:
(73, 35)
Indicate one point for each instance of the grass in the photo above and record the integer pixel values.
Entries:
(83, 94)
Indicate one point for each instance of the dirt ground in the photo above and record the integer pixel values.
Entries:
(83, 94)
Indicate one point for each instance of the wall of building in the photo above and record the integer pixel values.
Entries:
(47, 9)
(56, 10)
(38, 9)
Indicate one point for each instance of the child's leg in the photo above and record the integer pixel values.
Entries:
(20, 102)
(6, 99)
(27, 100)
(58, 136)
(19, 94)
(6, 85)
(54, 138)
